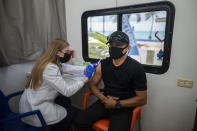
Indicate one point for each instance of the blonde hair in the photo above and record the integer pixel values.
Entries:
(50, 56)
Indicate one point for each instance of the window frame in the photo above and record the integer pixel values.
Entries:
(147, 7)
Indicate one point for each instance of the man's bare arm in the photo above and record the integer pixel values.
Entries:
(94, 84)
(138, 100)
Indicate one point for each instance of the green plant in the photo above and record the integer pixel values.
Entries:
(98, 50)
(98, 36)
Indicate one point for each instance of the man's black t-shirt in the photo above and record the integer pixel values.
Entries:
(122, 81)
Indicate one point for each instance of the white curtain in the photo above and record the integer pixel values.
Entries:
(27, 27)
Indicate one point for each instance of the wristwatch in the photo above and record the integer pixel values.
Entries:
(118, 105)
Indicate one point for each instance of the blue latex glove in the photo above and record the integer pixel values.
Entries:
(90, 69)
(96, 64)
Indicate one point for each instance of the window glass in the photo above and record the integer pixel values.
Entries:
(99, 27)
(146, 32)
(149, 27)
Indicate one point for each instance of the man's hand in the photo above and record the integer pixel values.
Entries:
(110, 102)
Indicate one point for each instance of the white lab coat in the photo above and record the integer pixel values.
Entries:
(43, 98)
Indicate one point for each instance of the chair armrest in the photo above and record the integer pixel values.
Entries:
(13, 94)
(137, 109)
(85, 99)
(37, 112)
(136, 115)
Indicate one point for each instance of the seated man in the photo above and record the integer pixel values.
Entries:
(124, 88)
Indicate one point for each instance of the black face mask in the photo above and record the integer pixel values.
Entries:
(66, 58)
(115, 52)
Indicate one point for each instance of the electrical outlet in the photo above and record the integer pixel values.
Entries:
(185, 83)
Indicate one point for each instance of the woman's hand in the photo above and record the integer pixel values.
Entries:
(85, 80)
(90, 69)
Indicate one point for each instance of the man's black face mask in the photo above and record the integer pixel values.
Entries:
(116, 53)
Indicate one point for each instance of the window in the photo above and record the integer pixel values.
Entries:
(98, 28)
(149, 27)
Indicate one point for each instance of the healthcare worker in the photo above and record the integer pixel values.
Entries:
(46, 83)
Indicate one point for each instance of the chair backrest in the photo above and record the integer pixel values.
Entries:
(4, 108)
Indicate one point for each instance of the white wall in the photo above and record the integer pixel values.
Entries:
(169, 108)
(12, 79)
